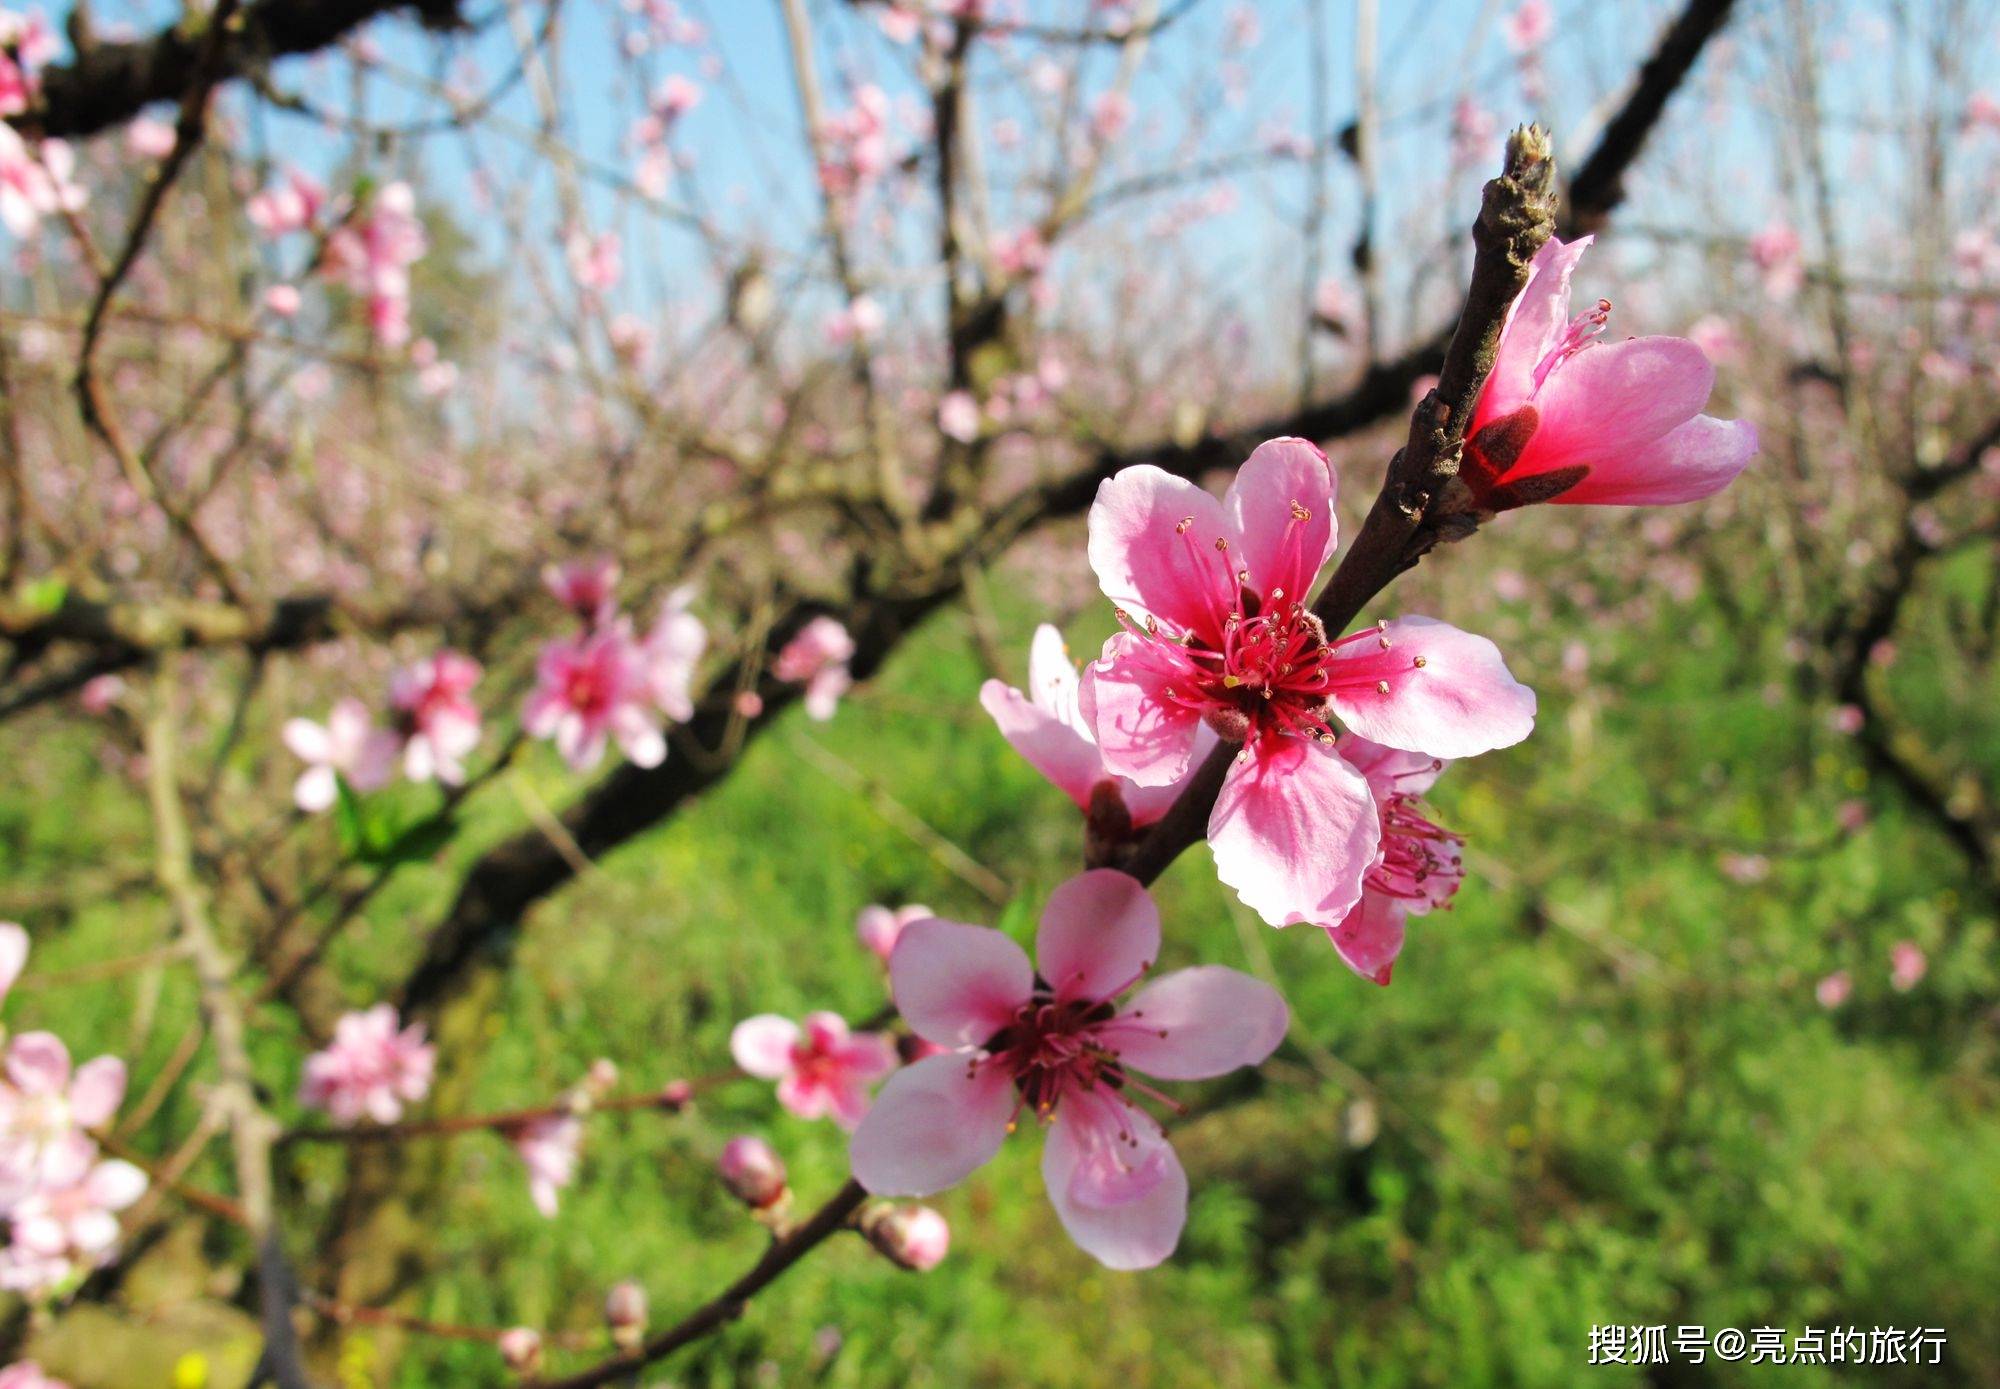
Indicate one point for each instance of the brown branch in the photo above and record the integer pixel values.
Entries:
(110, 83)
(728, 1305)
(1599, 185)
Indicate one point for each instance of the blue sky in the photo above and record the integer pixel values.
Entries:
(751, 177)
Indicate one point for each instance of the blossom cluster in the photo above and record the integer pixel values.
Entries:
(434, 725)
(605, 683)
(59, 1196)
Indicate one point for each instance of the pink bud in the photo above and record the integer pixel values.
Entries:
(912, 1237)
(676, 1095)
(521, 1349)
(754, 1174)
(625, 1314)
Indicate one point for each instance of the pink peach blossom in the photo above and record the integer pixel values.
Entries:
(347, 746)
(1212, 596)
(373, 255)
(821, 1068)
(26, 1374)
(591, 689)
(587, 587)
(1569, 419)
(1054, 1044)
(1417, 868)
(878, 927)
(149, 138)
(550, 1148)
(752, 1171)
(289, 206)
(595, 262)
(958, 416)
(1833, 990)
(1907, 965)
(370, 1070)
(671, 654)
(46, 1112)
(437, 718)
(1048, 729)
(817, 658)
(67, 1227)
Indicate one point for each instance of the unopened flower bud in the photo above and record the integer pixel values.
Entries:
(754, 1174)
(521, 1349)
(602, 1078)
(676, 1095)
(625, 1314)
(912, 1237)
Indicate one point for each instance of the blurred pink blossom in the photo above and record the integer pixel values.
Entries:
(348, 745)
(438, 720)
(817, 658)
(590, 689)
(878, 927)
(821, 1068)
(370, 1070)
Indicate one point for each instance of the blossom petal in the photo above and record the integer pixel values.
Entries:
(1294, 831)
(932, 1125)
(308, 741)
(1432, 689)
(1115, 1182)
(1370, 937)
(1694, 461)
(1148, 565)
(1537, 318)
(1099, 933)
(1611, 398)
(97, 1090)
(1390, 770)
(316, 789)
(1052, 676)
(38, 1063)
(1281, 548)
(13, 954)
(957, 985)
(762, 1045)
(1141, 734)
(1148, 803)
(1052, 747)
(1197, 1023)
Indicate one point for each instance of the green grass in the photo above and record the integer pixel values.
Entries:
(1599, 1090)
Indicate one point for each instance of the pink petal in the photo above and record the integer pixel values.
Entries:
(1114, 1180)
(1613, 397)
(95, 1093)
(1294, 831)
(933, 1124)
(1149, 803)
(1390, 770)
(316, 789)
(114, 1185)
(1434, 689)
(308, 741)
(1694, 461)
(1059, 752)
(1197, 1023)
(957, 985)
(1147, 564)
(1140, 733)
(38, 1063)
(1099, 933)
(1538, 317)
(1371, 936)
(13, 954)
(1282, 478)
(1052, 676)
(762, 1045)
(809, 1097)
